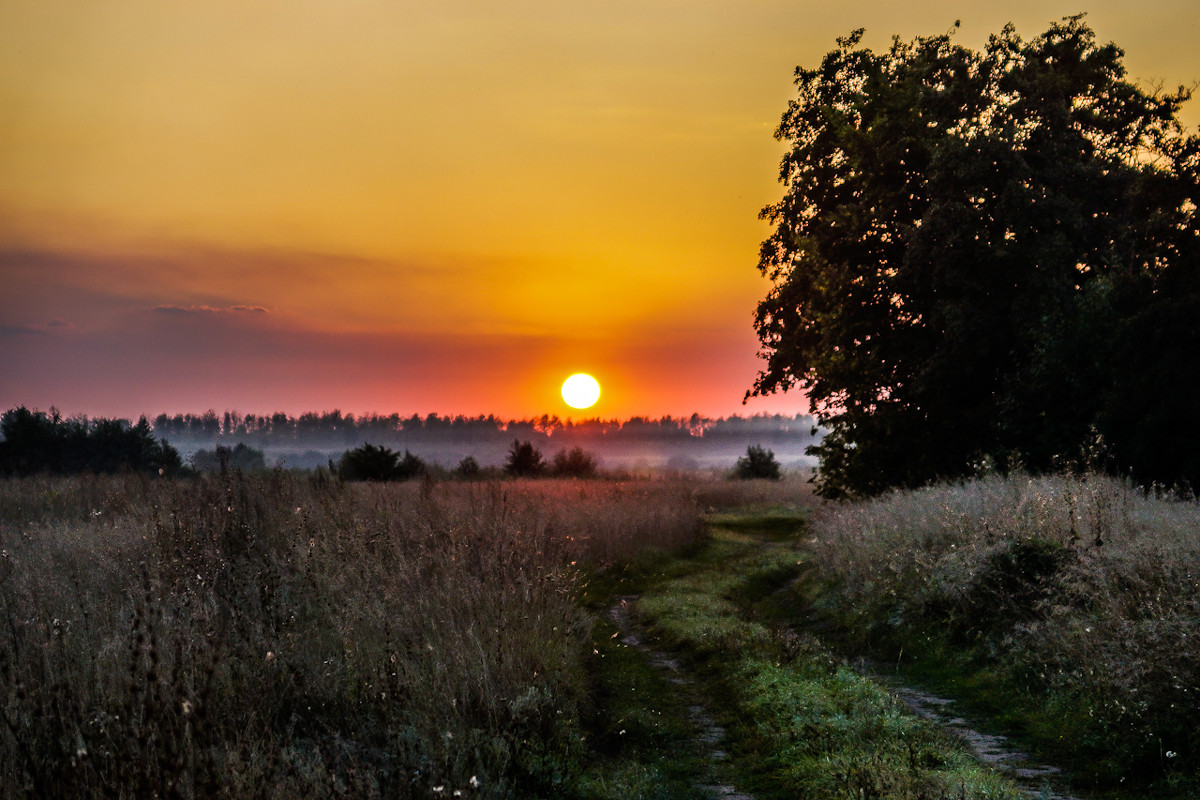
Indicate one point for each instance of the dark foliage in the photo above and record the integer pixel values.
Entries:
(757, 463)
(240, 456)
(574, 463)
(972, 255)
(34, 442)
(468, 468)
(524, 460)
(376, 463)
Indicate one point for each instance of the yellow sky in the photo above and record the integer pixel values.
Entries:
(585, 175)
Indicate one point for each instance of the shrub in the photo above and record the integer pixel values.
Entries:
(243, 457)
(377, 463)
(468, 468)
(757, 463)
(574, 463)
(524, 460)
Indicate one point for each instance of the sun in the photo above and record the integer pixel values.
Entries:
(581, 390)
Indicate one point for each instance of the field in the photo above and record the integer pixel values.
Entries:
(1067, 606)
(287, 635)
(284, 636)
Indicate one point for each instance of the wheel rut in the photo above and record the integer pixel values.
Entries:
(710, 735)
(1039, 781)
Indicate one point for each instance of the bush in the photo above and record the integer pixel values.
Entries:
(468, 468)
(757, 463)
(247, 459)
(574, 463)
(524, 460)
(377, 463)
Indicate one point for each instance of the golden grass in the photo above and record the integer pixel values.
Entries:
(286, 636)
(1084, 591)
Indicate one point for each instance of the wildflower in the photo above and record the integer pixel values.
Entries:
(474, 782)
(187, 708)
(439, 789)
(1171, 754)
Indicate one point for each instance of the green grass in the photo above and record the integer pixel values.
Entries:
(801, 724)
(642, 739)
(1063, 608)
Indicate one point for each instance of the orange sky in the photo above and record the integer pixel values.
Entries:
(378, 205)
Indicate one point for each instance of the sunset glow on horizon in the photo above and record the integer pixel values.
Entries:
(409, 207)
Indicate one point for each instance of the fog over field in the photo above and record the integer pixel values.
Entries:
(311, 440)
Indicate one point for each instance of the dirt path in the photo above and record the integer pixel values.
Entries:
(1037, 781)
(766, 584)
(1040, 781)
(710, 736)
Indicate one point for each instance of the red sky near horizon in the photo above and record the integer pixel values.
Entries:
(410, 207)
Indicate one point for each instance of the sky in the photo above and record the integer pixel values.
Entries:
(415, 207)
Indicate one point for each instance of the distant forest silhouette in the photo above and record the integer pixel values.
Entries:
(684, 442)
(34, 442)
(310, 439)
(336, 428)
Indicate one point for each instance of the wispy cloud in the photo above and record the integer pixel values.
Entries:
(195, 309)
(35, 330)
(19, 330)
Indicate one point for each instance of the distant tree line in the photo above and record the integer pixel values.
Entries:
(34, 442)
(333, 428)
(370, 462)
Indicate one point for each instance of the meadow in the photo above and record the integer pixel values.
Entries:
(282, 635)
(287, 634)
(1066, 606)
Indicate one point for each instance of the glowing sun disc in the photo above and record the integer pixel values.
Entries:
(580, 390)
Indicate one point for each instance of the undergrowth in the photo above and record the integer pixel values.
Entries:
(1072, 604)
(289, 636)
(802, 724)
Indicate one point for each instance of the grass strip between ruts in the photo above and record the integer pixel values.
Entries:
(801, 725)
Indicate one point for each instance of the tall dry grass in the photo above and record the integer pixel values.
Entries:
(1084, 591)
(284, 636)
(715, 493)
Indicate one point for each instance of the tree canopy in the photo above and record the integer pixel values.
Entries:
(33, 442)
(971, 255)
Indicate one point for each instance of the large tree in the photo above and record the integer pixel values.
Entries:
(966, 243)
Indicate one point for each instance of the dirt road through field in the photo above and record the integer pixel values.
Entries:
(710, 736)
